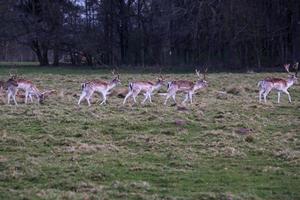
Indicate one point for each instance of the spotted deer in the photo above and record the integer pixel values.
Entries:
(148, 87)
(28, 87)
(188, 87)
(88, 88)
(11, 86)
(278, 84)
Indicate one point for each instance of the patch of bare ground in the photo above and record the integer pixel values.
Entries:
(87, 148)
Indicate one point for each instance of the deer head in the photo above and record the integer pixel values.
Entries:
(116, 79)
(204, 73)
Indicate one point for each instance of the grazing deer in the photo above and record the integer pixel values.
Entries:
(88, 88)
(29, 88)
(189, 87)
(143, 86)
(278, 84)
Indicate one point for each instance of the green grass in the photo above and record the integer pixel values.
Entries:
(58, 150)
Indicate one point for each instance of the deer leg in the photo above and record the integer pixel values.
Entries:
(290, 99)
(135, 94)
(88, 101)
(134, 97)
(150, 98)
(128, 95)
(146, 97)
(261, 91)
(14, 97)
(170, 94)
(26, 96)
(30, 96)
(12, 92)
(104, 98)
(167, 97)
(186, 98)
(83, 94)
(174, 97)
(278, 99)
(191, 97)
(8, 97)
(266, 94)
(87, 97)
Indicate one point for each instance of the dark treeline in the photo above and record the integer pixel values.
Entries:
(225, 33)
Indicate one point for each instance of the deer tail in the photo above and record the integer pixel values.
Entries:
(131, 86)
(169, 85)
(259, 84)
(83, 85)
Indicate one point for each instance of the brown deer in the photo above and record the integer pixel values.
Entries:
(11, 86)
(28, 87)
(103, 87)
(278, 84)
(188, 87)
(148, 87)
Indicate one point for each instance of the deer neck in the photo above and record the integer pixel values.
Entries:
(156, 87)
(290, 82)
(195, 87)
(111, 85)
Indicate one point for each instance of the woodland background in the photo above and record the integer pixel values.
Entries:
(229, 34)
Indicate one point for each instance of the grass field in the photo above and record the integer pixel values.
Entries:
(224, 146)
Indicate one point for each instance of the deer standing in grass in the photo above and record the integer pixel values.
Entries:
(11, 86)
(103, 87)
(29, 88)
(148, 87)
(278, 84)
(188, 87)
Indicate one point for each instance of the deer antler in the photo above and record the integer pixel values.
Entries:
(204, 73)
(160, 75)
(113, 72)
(13, 73)
(197, 73)
(287, 67)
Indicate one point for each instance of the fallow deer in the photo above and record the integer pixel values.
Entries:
(88, 88)
(188, 87)
(278, 84)
(30, 90)
(11, 86)
(28, 87)
(148, 87)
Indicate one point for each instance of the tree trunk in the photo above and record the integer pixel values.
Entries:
(89, 60)
(45, 60)
(295, 26)
(55, 57)
(41, 52)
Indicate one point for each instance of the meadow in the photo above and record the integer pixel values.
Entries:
(226, 145)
